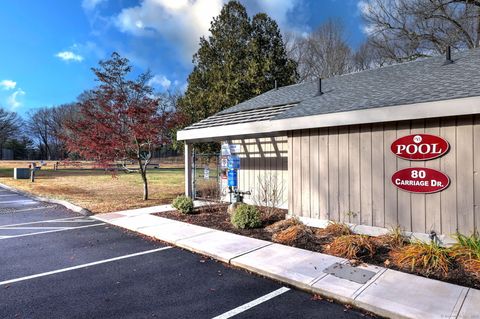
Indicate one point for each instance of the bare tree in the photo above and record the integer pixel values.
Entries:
(46, 126)
(322, 53)
(403, 30)
(10, 124)
(38, 125)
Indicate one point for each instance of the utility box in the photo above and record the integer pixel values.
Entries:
(21, 173)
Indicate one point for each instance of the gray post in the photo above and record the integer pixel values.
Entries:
(188, 169)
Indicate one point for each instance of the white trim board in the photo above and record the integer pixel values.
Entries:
(444, 108)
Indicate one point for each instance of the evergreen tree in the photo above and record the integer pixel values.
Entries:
(268, 61)
(239, 60)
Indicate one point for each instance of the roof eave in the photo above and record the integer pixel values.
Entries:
(443, 108)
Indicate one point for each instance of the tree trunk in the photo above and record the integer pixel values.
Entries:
(145, 186)
(143, 172)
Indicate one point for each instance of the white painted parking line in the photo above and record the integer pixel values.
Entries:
(22, 201)
(48, 273)
(252, 303)
(52, 231)
(61, 220)
(35, 227)
(72, 221)
(28, 209)
(9, 195)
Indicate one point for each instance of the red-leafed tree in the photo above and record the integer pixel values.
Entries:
(120, 119)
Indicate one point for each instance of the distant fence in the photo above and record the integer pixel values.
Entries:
(162, 162)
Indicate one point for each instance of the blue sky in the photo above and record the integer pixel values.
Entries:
(49, 46)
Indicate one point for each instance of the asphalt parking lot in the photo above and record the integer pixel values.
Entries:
(58, 264)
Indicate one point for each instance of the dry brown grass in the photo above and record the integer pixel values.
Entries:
(294, 235)
(428, 258)
(392, 240)
(12, 164)
(471, 266)
(100, 192)
(467, 253)
(352, 247)
(283, 224)
(333, 230)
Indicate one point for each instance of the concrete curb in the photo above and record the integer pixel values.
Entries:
(388, 293)
(66, 204)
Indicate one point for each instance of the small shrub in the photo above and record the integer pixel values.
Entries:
(296, 235)
(283, 224)
(183, 204)
(430, 258)
(333, 230)
(246, 216)
(466, 252)
(352, 246)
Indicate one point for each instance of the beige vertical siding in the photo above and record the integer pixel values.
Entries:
(344, 174)
(266, 159)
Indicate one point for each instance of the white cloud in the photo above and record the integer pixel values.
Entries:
(160, 81)
(69, 56)
(13, 100)
(91, 4)
(8, 84)
(276, 9)
(88, 48)
(365, 8)
(183, 22)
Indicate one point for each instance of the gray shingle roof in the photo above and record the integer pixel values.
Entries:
(425, 80)
(421, 81)
(247, 116)
(285, 95)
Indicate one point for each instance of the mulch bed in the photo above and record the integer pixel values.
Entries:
(217, 217)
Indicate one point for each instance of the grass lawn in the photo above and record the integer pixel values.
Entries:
(99, 191)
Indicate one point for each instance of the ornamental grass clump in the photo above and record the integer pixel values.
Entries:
(183, 204)
(283, 224)
(427, 258)
(352, 247)
(296, 235)
(394, 239)
(246, 217)
(333, 230)
(466, 252)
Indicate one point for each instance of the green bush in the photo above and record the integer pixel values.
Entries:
(183, 204)
(246, 216)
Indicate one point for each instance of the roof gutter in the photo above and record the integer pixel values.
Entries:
(453, 107)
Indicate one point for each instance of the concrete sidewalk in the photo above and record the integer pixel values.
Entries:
(382, 291)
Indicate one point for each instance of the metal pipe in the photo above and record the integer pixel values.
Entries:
(320, 92)
(448, 55)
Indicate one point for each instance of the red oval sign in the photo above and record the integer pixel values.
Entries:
(419, 147)
(420, 180)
